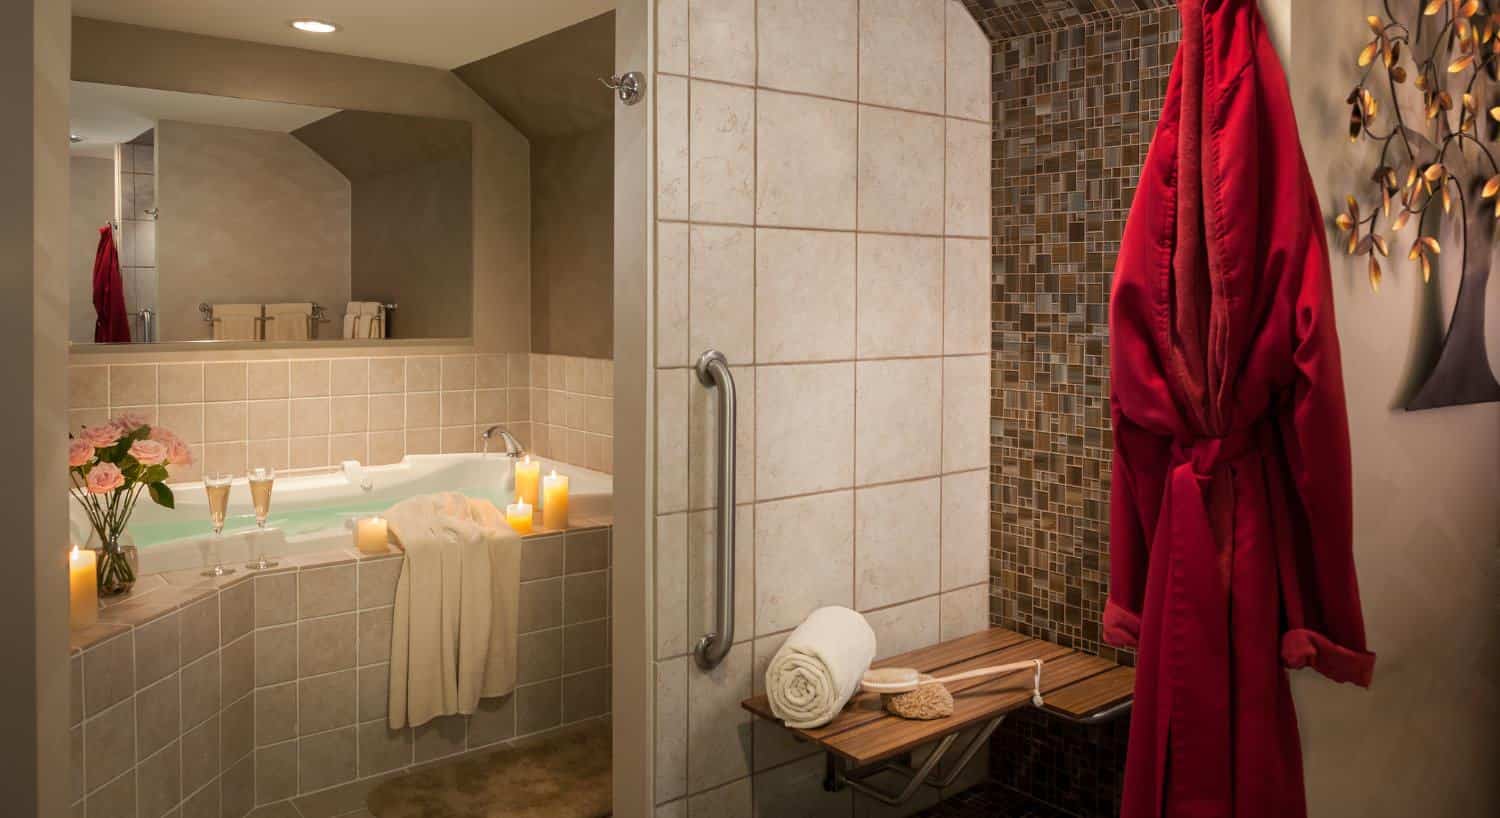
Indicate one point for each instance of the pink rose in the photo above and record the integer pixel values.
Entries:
(163, 434)
(100, 436)
(149, 452)
(128, 422)
(79, 452)
(104, 478)
(178, 453)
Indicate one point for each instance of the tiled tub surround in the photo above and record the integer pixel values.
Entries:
(823, 220)
(298, 412)
(211, 698)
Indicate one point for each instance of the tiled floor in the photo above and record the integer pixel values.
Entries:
(991, 801)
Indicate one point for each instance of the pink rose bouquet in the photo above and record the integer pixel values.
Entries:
(111, 466)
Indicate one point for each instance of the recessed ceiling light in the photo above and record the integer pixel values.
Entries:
(315, 26)
(74, 138)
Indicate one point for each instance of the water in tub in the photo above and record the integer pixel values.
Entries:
(315, 512)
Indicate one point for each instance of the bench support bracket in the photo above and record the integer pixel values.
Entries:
(838, 776)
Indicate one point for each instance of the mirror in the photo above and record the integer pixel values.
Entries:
(244, 220)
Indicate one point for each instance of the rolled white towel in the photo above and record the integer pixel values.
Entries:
(818, 669)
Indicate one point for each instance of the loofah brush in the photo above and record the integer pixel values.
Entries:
(910, 694)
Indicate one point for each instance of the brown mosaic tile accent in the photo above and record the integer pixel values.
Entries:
(1003, 19)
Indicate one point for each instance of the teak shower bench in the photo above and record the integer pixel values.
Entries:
(864, 740)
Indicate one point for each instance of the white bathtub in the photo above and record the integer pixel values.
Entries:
(315, 512)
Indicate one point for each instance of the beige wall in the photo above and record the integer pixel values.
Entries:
(91, 203)
(821, 187)
(247, 216)
(34, 246)
(572, 244)
(153, 58)
(1422, 740)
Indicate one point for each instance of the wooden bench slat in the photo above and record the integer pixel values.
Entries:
(880, 740)
(1107, 689)
(968, 653)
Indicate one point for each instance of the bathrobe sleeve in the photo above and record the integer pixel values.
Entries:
(1136, 483)
(1324, 627)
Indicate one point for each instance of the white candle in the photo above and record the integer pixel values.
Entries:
(83, 587)
(518, 515)
(555, 500)
(528, 471)
(371, 535)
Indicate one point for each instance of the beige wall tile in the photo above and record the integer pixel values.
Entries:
(703, 441)
(275, 714)
(423, 441)
(186, 420)
(270, 454)
(490, 371)
(236, 612)
(457, 408)
(901, 53)
(721, 40)
(586, 646)
(585, 597)
(671, 744)
(200, 691)
(275, 599)
(671, 585)
(809, 47)
(382, 749)
(672, 36)
(199, 629)
(721, 291)
(900, 172)
(573, 377)
(387, 375)
(538, 707)
(327, 644)
(387, 412)
(309, 378)
(423, 410)
(108, 674)
(806, 161)
(180, 383)
(585, 695)
(223, 422)
(225, 380)
(672, 147)
(733, 800)
(377, 582)
(968, 69)
(898, 420)
(159, 782)
(224, 457)
(703, 577)
(156, 653)
(275, 655)
(349, 376)
(458, 372)
(276, 772)
(348, 447)
(443, 736)
(966, 409)
(88, 386)
(78, 418)
(268, 379)
(308, 452)
(109, 744)
(967, 189)
(804, 429)
(721, 141)
(494, 720)
(327, 759)
(269, 419)
(132, 385)
(672, 295)
(804, 558)
(309, 416)
(375, 635)
(350, 413)
(324, 591)
(966, 296)
(900, 295)
(326, 702)
(965, 611)
(539, 656)
(718, 730)
(424, 373)
(519, 364)
(672, 387)
(518, 403)
(540, 605)
(387, 448)
(458, 439)
(904, 627)
(966, 529)
(804, 295)
(490, 406)
(896, 549)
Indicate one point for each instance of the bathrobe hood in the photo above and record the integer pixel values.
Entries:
(1231, 518)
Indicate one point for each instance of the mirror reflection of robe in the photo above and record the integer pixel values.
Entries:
(111, 324)
(1230, 520)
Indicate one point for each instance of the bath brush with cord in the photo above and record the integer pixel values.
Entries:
(911, 694)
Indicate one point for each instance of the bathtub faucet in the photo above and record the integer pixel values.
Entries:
(513, 447)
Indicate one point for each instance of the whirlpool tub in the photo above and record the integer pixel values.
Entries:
(316, 512)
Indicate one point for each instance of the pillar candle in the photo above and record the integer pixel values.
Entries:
(371, 535)
(555, 500)
(528, 471)
(83, 587)
(519, 515)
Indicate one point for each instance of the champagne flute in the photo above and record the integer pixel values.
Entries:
(217, 486)
(261, 480)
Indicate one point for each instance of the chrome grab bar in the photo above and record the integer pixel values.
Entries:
(713, 371)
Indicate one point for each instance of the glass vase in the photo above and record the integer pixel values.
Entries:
(119, 562)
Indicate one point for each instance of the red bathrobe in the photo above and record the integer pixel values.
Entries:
(1230, 514)
(111, 325)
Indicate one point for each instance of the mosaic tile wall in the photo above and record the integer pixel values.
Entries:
(1075, 109)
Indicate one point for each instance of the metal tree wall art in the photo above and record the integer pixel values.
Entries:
(1436, 164)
